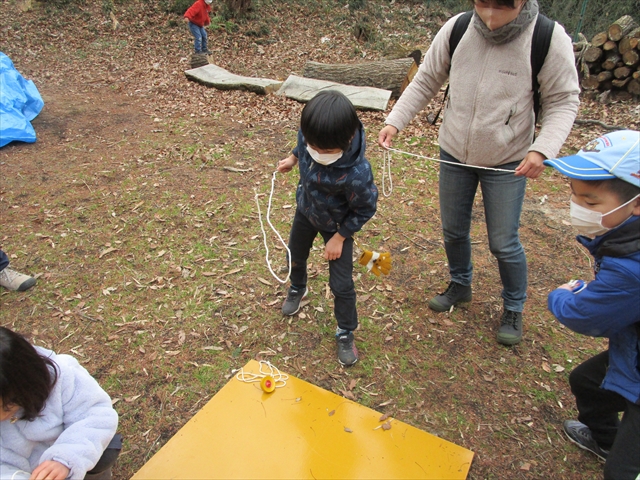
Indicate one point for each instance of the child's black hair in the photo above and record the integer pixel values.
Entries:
(625, 191)
(502, 3)
(329, 121)
(26, 377)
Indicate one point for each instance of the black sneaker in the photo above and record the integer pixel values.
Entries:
(453, 295)
(292, 304)
(347, 351)
(580, 434)
(510, 331)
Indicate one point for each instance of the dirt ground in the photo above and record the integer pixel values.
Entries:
(135, 208)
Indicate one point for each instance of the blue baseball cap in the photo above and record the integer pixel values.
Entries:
(614, 155)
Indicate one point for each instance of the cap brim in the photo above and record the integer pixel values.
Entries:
(576, 166)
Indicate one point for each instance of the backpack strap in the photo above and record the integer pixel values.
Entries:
(540, 42)
(461, 25)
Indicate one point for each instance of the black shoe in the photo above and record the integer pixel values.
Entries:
(453, 295)
(207, 52)
(510, 331)
(580, 434)
(347, 351)
(292, 304)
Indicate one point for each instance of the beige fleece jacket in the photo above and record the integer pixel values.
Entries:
(489, 116)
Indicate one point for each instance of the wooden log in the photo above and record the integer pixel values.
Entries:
(622, 72)
(611, 61)
(636, 75)
(620, 28)
(590, 83)
(604, 76)
(620, 82)
(635, 33)
(592, 54)
(364, 98)
(631, 58)
(599, 39)
(198, 60)
(626, 44)
(392, 75)
(610, 46)
(217, 77)
(633, 87)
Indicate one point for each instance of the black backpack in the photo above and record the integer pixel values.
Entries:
(540, 42)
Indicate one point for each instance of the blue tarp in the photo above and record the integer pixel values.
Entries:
(20, 102)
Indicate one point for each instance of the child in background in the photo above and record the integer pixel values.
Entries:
(197, 16)
(55, 420)
(605, 208)
(336, 196)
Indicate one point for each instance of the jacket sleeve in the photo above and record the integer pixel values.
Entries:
(89, 420)
(431, 75)
(559, 90)
(607, 305)
(363, 201)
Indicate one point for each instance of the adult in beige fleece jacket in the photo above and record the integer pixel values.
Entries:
(489, 122)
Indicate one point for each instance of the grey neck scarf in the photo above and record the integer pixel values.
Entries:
(511, 30)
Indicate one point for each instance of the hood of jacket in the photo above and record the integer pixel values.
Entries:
(340, 197)
(618, 242)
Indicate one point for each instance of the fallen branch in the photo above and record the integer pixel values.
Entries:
(588, 121)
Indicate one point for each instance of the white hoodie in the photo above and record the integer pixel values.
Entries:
(74, 428)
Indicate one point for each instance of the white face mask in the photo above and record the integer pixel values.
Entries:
(589, 222)
(324, 158)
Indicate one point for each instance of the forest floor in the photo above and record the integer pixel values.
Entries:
(135, 209)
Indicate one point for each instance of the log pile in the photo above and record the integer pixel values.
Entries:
(611, 61)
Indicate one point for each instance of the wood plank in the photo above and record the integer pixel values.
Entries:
(363, 98)
(217, 77)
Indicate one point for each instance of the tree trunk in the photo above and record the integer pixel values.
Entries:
(620, 28)
(633, 87)
(599, 39)
(604, 76)
(592, 54)
(627, 43)
(392, 75)
(240, 7)
(590, 83)
(622, 72)
(611, 62)
(631, 58)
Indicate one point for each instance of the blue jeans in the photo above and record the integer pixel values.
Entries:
(340, 270)
(4, 260)
(503, 195)
(199, 37)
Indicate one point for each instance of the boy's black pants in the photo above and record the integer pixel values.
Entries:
(340, 271)
(598, 409)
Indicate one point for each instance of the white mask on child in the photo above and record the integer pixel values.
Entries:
(324, 158)
(589, 222)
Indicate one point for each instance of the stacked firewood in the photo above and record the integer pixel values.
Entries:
(611, 61)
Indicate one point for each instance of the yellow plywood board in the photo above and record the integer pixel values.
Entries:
(299, 431)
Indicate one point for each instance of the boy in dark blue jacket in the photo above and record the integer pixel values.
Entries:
(605, 208)
(336, 196)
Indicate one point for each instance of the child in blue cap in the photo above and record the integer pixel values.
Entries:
(605, 208)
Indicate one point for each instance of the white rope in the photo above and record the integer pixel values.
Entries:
(446, 161)
(264, 234)
(386, 171)
(279, 378)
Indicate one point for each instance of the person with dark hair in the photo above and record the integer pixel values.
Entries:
(336, 196)
(12, 280)
(56, 422)
(605, 209)
(488, 127)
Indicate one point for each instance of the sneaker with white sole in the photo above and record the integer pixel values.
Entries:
(347, 351)
(16, 281)
(580, 434)
(292, 303)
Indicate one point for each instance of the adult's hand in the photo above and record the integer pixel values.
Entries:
(531, 166)
(386, 136)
